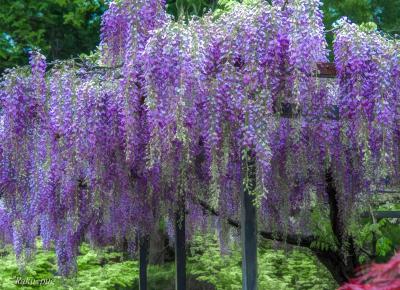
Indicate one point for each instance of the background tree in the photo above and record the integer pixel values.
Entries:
(65, 28)
(384, 13)
(60, 28)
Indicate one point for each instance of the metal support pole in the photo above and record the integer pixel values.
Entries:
(249, 226)
(144, 243)
(180, 248)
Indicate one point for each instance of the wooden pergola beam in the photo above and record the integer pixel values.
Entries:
(326, 70)
(382, 214)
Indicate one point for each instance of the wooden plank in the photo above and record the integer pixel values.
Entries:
(144, 243)
(180, 248)
(383, 214)
(326, 70)
(291, 111)
(388, 191)
(248, 223)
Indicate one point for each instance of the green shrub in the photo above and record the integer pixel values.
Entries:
(106, 269)
(297, 269)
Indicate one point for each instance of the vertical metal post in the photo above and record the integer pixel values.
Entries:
(248, 223)
(144, 242)
(180, 248)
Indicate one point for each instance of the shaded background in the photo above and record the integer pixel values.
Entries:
(63, 29)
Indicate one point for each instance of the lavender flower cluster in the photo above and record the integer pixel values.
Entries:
(105, 154)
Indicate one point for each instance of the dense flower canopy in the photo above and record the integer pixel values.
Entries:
(170, 111)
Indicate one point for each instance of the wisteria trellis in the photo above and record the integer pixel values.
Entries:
(105, 153)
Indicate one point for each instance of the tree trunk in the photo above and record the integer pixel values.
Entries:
(343, 262)
(335, 265)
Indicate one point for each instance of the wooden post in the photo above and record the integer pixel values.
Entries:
(248, 223)
(143, 261)
(180, 248)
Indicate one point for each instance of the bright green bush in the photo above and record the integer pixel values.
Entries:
(277, 270)
(106, 269)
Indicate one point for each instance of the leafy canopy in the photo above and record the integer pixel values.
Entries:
(60, 28)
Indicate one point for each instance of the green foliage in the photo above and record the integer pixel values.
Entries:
(207, 264)
(100, 270)
(277, 269)
(369, 26)
(42, 267)
(188, 8)
(106, 269)
(387, 236)
(60, 28)
(383, 14)
(226, 5)
(386, 233)
(322, 230)
(383, 246)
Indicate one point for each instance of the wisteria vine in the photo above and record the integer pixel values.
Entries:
(169, 112)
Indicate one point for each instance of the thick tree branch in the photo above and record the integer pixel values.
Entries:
(292, 239)
(333, 207)
(341, 264)
(331, 259)
(284, 5)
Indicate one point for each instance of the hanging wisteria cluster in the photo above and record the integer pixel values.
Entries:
(367, 156)
(171, 114)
